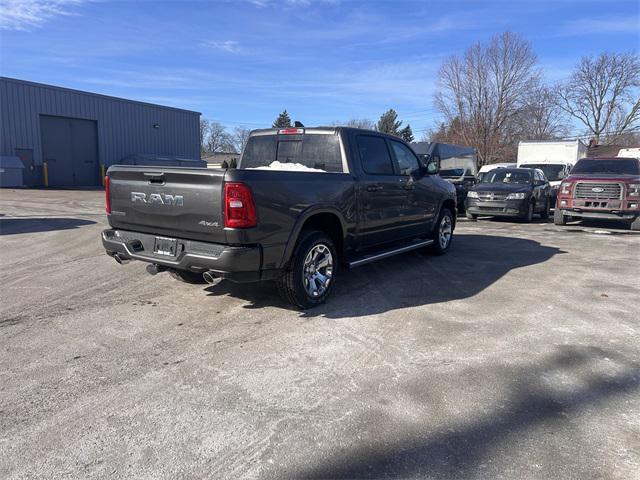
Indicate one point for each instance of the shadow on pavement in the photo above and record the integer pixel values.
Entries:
(14, 226)
(474, 263)
(603, 224)
(538, 397)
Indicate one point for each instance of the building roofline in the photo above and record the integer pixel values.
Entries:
(92, 94)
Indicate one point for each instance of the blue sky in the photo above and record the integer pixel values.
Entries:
(242, 62)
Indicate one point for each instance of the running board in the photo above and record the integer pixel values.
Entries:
(389, 253)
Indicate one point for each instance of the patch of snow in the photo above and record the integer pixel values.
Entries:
(291, 167)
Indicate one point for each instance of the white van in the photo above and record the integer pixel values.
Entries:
(629, 153)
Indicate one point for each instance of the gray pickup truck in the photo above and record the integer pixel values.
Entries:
(301, 203)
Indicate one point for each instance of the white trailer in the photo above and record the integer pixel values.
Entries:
(555, 159)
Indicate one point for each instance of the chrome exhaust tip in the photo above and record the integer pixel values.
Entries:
(210, 278)
(121, 260)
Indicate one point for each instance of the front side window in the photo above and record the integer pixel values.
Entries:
(407, 161)
(374, 155)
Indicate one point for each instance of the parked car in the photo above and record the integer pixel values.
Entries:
(510, 192)
(492, 166)
(605, 188)
(302, 203)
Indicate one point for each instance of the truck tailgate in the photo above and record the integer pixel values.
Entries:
(176, 202)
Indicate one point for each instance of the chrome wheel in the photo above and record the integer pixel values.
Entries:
(317, 270)
(446, 229)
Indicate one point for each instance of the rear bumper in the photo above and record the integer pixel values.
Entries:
(506, 208)
(238, 264)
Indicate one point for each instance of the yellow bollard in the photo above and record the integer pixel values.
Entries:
(45, 173)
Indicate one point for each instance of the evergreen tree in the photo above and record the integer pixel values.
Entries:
(407, 134)
(389, 123)
(283, 120)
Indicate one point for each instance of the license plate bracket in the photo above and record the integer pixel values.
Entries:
(165, 246)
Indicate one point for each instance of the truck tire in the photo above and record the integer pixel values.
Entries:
(443, 232)
(310, 277)
(187, 276)
(545, 213)
(559, 218)
(635, 225)
(471, 216)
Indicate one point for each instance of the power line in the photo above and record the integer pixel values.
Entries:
(611, 132)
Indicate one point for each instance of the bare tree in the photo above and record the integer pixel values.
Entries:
(218, 139)
(602, 93)
(628, 138)
(540, 117)
(363, 123)
(204, 134)
(445, 133)
(485, 90)
(240, 137)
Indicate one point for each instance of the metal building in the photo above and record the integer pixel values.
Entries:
(68, 137)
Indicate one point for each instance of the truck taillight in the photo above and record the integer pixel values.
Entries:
(107, 195)
(239, 208)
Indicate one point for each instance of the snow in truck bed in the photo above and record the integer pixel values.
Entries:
(291, 167)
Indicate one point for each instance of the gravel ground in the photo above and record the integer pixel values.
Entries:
(516, 355)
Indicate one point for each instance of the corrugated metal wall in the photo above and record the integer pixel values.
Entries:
(125, 127)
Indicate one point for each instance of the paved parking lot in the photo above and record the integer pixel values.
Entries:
(517, 355)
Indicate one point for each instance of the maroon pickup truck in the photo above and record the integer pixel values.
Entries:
(607, 188)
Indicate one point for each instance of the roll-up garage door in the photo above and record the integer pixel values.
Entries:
(70, 149)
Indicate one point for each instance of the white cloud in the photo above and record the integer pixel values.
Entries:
(590, 26)
(229, 46)
(292, 3)
(29, 14)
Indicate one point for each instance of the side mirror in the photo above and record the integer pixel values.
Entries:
(433, 167)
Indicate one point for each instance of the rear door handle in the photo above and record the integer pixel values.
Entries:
(373, 188)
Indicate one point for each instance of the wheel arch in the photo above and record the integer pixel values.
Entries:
(324, 219)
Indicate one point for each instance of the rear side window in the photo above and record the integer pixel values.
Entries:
(374, 155)
(311, 151)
